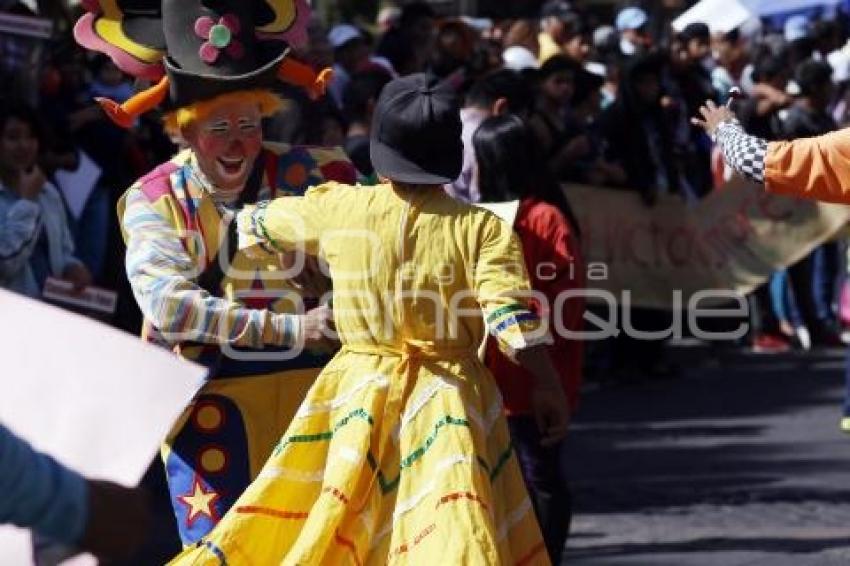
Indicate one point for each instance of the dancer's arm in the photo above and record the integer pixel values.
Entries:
(549, 403)
(816, 168)
(288, 224)
(503, 291)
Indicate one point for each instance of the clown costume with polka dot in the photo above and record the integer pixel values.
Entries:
(215, 65)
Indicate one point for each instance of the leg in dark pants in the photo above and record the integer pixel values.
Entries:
(846, 407)
(826, 262)
(550, 495)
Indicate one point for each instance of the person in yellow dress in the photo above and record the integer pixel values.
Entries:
(400, 453)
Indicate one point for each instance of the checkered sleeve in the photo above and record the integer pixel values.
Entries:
(743, 153)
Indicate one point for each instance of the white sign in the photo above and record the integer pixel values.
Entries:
(98, 400)
(90, 298)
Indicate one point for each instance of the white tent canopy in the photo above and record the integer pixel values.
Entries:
(722, 16)
(773, 7)
(725, 15)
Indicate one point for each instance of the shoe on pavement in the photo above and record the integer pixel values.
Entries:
(770, 344)
(845, 425)
(803, 338)
(826, 335)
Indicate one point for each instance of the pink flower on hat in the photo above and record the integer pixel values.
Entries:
(219, 36)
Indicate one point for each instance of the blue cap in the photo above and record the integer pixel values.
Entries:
(631, 18)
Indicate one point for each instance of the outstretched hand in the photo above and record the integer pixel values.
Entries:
(551, 412)
(549, 404)
(318, 327)
(712, 116)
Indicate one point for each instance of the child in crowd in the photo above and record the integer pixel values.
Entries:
(509, 172)
(35, 240)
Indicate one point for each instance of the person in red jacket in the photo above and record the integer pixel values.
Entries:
(510, 172)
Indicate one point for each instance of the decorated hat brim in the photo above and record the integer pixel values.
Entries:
(145, 31)
(187, 88)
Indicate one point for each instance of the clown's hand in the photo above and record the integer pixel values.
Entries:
(306, 273)
(712, 117)
(317, 328)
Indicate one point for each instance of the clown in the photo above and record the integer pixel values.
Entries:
(213, 64)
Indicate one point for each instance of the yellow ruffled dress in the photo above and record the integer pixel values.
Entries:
(399, 454)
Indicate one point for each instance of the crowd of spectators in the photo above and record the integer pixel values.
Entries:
(607, 102)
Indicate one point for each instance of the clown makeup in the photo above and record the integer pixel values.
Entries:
(226, 143)
(223, 128)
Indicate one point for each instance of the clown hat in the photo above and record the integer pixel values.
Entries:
(197, 49)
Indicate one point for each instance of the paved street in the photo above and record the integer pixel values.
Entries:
(738, 463)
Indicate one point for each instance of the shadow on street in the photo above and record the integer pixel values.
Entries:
(743, 453)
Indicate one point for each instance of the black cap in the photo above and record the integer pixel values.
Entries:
(416, 132)
(696, 30)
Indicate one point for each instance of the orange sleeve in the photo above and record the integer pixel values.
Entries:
(815, 168)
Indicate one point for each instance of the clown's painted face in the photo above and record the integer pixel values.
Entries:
(226, 143)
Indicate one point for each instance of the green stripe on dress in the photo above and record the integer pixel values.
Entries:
(500, 463)
(502, 311)
(327, 435)
(406, 462)
(259, 222)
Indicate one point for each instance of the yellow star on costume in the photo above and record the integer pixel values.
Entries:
(200, 502)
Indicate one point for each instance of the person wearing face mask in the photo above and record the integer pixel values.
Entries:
(632, 25)
(730, 52)
(35, 239)
(214, 65)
